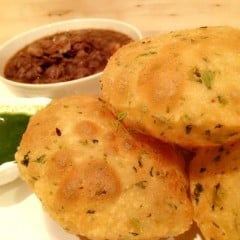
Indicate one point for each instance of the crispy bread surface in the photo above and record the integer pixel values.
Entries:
(214, 181)
(180, 87)
(98, 180)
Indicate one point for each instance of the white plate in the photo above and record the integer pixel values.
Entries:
(8, 170)
(22, 217)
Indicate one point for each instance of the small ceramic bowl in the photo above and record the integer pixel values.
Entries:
(88, 84)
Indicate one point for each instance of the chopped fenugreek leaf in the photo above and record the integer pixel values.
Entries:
(84, 142)
(147, 53)
(100, 192)
(90, 211)
(219, 125)
(218, 193)
(207, 133)
(134, 233)
(172, 206)
(215, 225)
(136, 223)
(26, 159)
(41, 159)
(207, 77)
(222, 100)
(195, 75)
(141, 184)
(202, 76)
(185, 118)
(198, 189)
(120, 117)
(140, 164)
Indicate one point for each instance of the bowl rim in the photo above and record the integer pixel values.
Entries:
(48, 85)
(55, 26)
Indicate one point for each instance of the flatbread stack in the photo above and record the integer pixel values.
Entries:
(112, 166)
(184, 88)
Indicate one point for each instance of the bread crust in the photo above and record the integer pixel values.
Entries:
(98, 180)
(214, 182)
(181, 87)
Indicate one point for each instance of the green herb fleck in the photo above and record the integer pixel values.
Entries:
(41, 159)
(35, 178)
(185, 118)
(84, 142)
(100, 192)
(136, 223)
(195, 74)
(173, 206)
(218, 194)
(90, 211)
(222, 100)
(207, 133)
(134, 233)
(219, 125)
(147, 54)
(141, 184)
(198, 189)
(215, 225)
(205, 59)
(26, 159)
(207, 78)
(140, 164)
(120, 117)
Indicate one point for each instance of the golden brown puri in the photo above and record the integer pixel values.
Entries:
(180, 87)
(98, 181)
(215, 191)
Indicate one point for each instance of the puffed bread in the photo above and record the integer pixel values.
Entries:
(99, 181)
(181, 87)
(215, 191)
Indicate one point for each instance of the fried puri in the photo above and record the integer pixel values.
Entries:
(215, 191)
(100, 181)
(180, 87)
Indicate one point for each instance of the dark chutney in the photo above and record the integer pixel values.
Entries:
(64, 56)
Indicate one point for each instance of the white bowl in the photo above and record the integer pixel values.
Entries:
(88, 84)
(9, 170)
